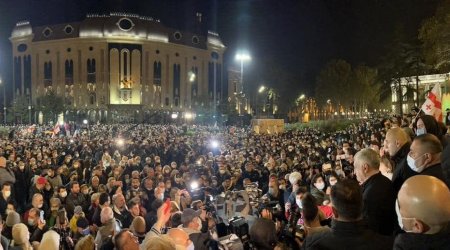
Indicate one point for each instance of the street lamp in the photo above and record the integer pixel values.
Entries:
(29, 114)
(85, 122)
(4, 101)
(242, 57)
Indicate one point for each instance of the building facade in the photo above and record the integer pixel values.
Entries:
(117, 67)
(405, 89)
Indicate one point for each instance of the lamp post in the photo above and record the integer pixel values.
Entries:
(4, 101)
(242, 57)
(260, 90)
(29, 114)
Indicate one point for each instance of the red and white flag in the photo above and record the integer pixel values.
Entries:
(433, 105)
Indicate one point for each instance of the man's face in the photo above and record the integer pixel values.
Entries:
(134, 210)
(76, 188)
(416, 152)
(391, 145)
(120, 201)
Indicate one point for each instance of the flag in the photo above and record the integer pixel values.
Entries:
(56, 129)
(433, 105)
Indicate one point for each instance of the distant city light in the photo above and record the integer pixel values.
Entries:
(174, 115)
(85, 121)
(188, 115)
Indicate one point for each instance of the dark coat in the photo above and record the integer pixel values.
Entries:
(379, 204)
(401, 169)
(436, 171)
(348, 235)
(423, 241)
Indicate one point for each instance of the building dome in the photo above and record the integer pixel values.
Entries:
(21, 29)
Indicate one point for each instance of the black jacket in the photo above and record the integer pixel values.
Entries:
(401, 170)
(423, 241)
(379, 204)
(348, 235)
(436, 171)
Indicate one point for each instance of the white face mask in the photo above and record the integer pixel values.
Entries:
(320, 186)
(400, 218)
(299, 203)
(412, 164)
(420, 131)
(63, 194)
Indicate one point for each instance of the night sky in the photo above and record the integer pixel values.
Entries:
(289, 40)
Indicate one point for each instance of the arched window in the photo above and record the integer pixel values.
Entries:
(176, 81)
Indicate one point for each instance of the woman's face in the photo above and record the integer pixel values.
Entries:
(420, 124)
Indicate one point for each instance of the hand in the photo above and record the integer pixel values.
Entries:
(287, 206)
(41, 224)
(265, 213)
(163, 217)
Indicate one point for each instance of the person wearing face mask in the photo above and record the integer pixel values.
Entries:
(318, 188)
(423, 211)
(22, 185)
(35, 225)
(378, 193)
(5, 198)
(425, 157)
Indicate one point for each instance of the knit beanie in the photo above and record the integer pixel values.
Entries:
(12, 219)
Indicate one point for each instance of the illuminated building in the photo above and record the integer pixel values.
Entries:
(117, 67)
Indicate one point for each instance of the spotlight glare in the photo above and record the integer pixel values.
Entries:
(194, 185)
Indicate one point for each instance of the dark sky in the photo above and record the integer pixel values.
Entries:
(289, 40)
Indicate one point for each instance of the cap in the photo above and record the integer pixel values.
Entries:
(189, 214)
(78, 210)
(41, 180)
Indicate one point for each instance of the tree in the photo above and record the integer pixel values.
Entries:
(435, 35)
(51, 106)
(366, 88)
(333, 82)
(19, 110)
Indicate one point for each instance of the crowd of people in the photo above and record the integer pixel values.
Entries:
(379, 184)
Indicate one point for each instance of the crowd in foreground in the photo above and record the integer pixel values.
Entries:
(379, 184)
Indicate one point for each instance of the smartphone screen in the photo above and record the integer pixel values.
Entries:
(41, 215)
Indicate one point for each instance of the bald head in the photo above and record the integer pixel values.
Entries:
(395, 139)
(179, 237)
(106, 214)
(426, 199)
